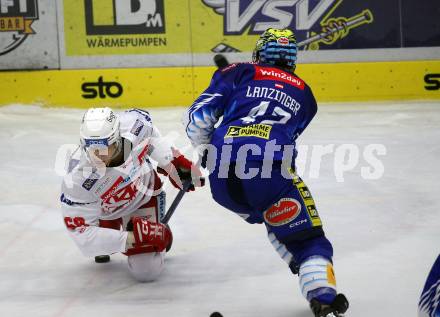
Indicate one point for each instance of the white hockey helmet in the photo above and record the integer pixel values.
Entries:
(100, 129)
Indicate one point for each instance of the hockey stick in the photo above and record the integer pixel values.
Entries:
(185, 186)
(220, 61)
(176, 201)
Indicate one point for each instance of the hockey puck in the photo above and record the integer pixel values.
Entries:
(216, 314)
(102, 258)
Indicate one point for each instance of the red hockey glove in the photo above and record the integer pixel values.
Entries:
(181, 169)
(148, 237)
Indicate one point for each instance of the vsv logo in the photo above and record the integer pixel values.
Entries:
(432, 81)
(258, 15)
(124, 17)
(101, 89)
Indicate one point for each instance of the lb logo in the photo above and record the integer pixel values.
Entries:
(284, 211)
(124, 17)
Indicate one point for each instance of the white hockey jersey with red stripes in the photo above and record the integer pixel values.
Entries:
(91, 193)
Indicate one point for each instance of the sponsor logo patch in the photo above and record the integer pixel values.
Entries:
(313, 214)
(137, 127)
(116, 198)
(112, 189)
(124, 17)
(89, 182)
(101, 186)
(305, 193)
(68, 201)
(283, 212)
(256, 130)
(298, 223)
(90, 142)
(269, 73)
(161, 203)
(283, 41)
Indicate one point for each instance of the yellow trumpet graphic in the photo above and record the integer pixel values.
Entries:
(336, 28)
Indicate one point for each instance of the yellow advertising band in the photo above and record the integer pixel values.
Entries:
(179, 86)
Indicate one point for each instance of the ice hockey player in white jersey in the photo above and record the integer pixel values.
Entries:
(112, 198)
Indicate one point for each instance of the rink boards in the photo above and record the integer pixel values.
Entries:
(164, 87)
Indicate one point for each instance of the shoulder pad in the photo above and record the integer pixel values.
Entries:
(135, 125)
(139, 113)
(235, 66)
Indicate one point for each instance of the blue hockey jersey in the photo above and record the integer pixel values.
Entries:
(260, 105)
(429, 304)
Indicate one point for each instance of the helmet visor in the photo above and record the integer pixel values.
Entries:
(100, 150)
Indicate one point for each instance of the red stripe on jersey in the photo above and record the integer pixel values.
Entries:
(110, 192)
(269, 73)
(143, 153)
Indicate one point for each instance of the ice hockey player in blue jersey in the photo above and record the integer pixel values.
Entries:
(264, 107)
(429, 305)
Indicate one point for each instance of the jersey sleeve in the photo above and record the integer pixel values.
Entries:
(137, 126)
(82, 223)
(161, 149)
(200, 119)
(310, 110)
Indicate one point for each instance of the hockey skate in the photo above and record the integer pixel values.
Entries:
(336, 309)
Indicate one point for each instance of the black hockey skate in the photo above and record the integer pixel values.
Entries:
(336, 309)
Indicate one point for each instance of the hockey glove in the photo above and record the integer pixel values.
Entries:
(180, 170)
(147, 237)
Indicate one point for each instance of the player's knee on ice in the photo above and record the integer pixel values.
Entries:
(146, 267)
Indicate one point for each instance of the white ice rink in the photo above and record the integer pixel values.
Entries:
(385, 232)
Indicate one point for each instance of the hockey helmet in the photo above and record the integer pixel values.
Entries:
(100, 134)
(277, 47)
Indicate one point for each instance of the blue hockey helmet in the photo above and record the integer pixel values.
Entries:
(277, 47)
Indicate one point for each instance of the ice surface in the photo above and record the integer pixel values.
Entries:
(385, 232)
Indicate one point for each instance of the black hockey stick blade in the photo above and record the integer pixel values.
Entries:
(220, 61)
(176, 201)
